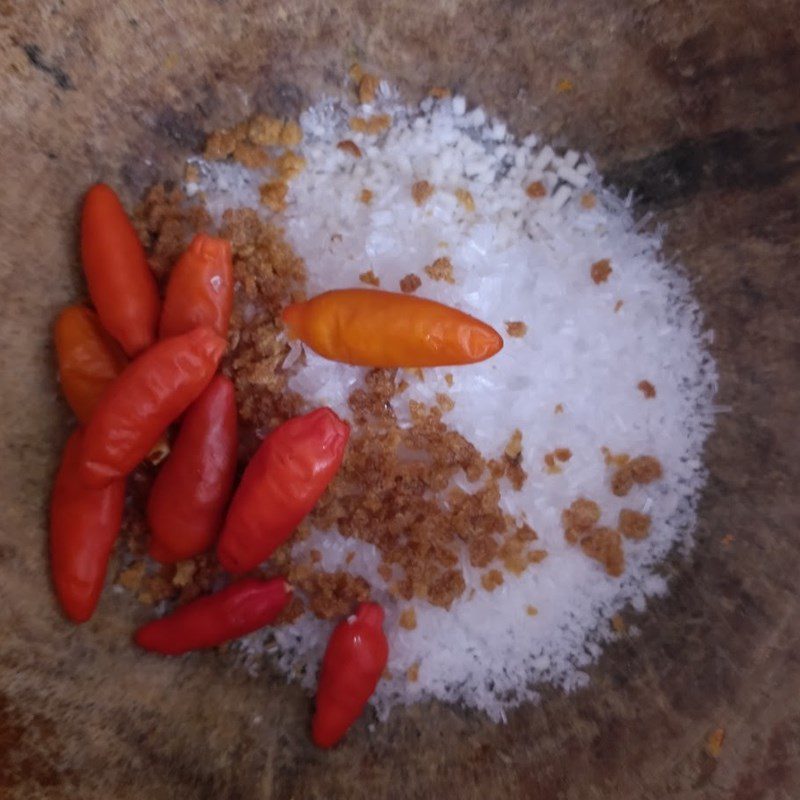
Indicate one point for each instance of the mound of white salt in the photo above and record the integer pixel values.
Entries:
(587, 347)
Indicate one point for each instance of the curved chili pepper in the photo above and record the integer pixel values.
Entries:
(239, 609)
(88, 359)
(84, 524)
(372, 328)
(200, 288)
(281, 484)
(121, 285)
(188, 497)
(149, 395)
(351, 668)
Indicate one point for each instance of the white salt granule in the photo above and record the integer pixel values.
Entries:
(514, 258)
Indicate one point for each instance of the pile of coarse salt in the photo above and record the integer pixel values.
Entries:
(588, 345)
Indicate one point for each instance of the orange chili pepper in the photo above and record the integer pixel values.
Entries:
(88, 359)
(200, 288)
(372, 328)
(121, 285)
(149, 395)
(84, 524)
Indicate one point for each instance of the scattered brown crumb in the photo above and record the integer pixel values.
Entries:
(618, 305)
(445, 402)
(614, 459)
(265, 131)
(439, 92)
(290, 164)
(412, 673)
(402, 386)
(531, 611)
(410, 283)
(535, 190)
(132, 577)
(192, 173)
(492, 579)
(421, 191)
(466, 199)
(315, 556)
(441, 270)
(273, 195)
(408, 619)
(633, 524)
(221, 144)
(600, 270)
(293, 611)
(418, 373)
(647, 389)
(330, 594)
(291, 134)
(516, 329)
(370, 278)
(372, 126)
(184, 571)
(588, 201)
(605, 545)
(559, 409)
(366, 196)
(349, 146)
(367, 88)
(448, 378)
(250, 155)
(565, 85)
(350, 556)
(562, 453)
(714, 742)
(514, 447)
(642, 470)
(355, 72)
(618, 624)
(550, 466)
(385, 571)
(579, 519)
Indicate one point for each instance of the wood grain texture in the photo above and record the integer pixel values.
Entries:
(695, 105)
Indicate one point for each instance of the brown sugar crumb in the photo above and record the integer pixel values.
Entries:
(366, 196)
(535, 190)
(448, 378)
(250, 156)
(410, 283)
(132, 577)
(614, 459)
(349, 146)
(292, 612)
(264, 131)
(531, 611)
(516, 329)
(421, 191)
(537, 556)
(642, 470)
(368, 87)
(412, 673)
(482, 550)
(579, 519)
(221, 144)
(330, 594)
(385, 571)
(184, 571)
(370, 278)
(550, 465)
(618, 624)
(633, 524)
(564, 85)
(618, 305)
(714, 742)
(273, 195)
(355, 72)
(514, 447)
(372, 126)
(466, 199)
(408, 619)
(492, 579)
(192, 173)
(439, 92)
(315, 556)
(562, 453)
(559, 409)
(441, 270)
(290, 164)
(647, 389)
(600, 270)
(588, 201)
(291, 134)
(418, 373)
(445, 402)
(605, 545)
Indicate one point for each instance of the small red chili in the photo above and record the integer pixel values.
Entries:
(84, 524)
(188, 498)
(239, 609)
(149, 395)
(351, 668)
(280, 486)
(120, 282)
(200, 288)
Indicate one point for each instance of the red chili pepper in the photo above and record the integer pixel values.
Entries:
(150, 394)
(239, 609)
(189, 495)
(372, 328)
(351, 668)
(121, 285)
(200, 288)
(281, 484)
(84, 524)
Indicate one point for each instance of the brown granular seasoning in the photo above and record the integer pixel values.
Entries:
(448, 378)
(559, 409)
(492, 579)
(647, 389)
(605, 545)
(366, 196)
(250, 155)
(642, 470)
(714, 743)
(408, 619)
(600, 270)
(368, 88)
(329, 594)
(273, 195)
(562, 453)
(514, 447)
(618, 624)
(531, 611)
(315, 556)
(535, 190)
(516, 329)
(579, 519)
(412, 673)
(370, 278)
(410, 283)
(466, 199)
(439, 92)
(445, 402)
(441, 270)
(633, 524)
(290, 165)
(421, 191)
(550, 465)
(264, 130)
(222, 143)
(292, 612)
(349, 146)
(618, 305)
(588, 201)
(372, 126)
(291, 134)
(355, 72)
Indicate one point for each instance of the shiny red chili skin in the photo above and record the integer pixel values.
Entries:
(351, 668)
(238, 609)
(189, 495)
(280, 486)
(149, 395)
(84, 524)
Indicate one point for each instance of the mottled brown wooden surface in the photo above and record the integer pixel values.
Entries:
(694, 104)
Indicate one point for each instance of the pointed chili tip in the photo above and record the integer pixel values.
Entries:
(370, 614)
(211, 246)
(290, 317)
